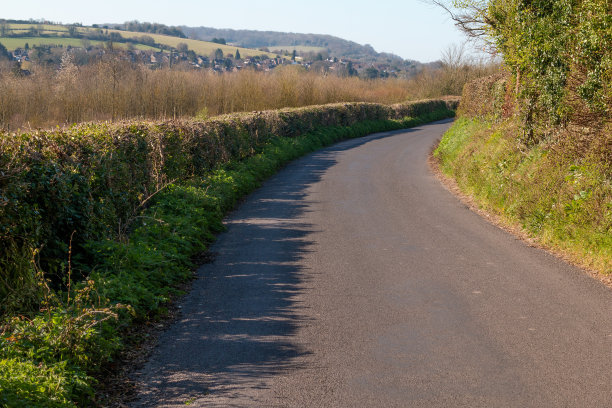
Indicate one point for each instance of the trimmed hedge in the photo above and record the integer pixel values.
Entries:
(53, 357)
(93, 179)
(486, 96)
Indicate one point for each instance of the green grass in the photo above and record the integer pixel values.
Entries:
(199, 47)
(12, 43)
(51, 359)
(44, 27)
(22, 31)
(561, 198)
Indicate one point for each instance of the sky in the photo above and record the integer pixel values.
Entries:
(411, 29)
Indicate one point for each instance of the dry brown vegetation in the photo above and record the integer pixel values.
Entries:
(115, 89)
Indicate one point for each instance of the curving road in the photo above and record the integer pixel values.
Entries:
(354, 279)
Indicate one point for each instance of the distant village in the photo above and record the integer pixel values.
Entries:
(217, 62)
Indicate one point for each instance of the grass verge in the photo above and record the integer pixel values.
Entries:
(52, 359)
(560, 198)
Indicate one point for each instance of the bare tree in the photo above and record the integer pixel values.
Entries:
(472, 17)
(454, 56)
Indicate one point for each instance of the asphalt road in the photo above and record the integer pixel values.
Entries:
(354, 279)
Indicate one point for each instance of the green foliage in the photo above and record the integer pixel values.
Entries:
(4, 54)
(56, 350)
(154, 28)
(592, 56)
(561, 197)
(218, 54)
(27, 384)
(558, 52)
(155, 196)
(536, 38)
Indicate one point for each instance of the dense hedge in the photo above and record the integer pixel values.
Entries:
(485, 97)
(96, 174)
(558, 189)
(93, 179)
(559, 55)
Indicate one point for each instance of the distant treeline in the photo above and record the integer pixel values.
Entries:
(153, 28)
(30, 21)
(337, 47)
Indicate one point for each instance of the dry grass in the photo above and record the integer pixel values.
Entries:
(200, 47)
(115, 89)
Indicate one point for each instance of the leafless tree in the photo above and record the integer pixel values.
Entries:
(472, 18)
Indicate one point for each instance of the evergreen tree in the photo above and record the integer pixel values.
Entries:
(218, 54)
(351, 69)
(4, 53)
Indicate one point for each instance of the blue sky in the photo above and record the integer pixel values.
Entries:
(409, 28)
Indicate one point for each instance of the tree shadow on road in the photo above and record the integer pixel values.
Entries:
(239, 321)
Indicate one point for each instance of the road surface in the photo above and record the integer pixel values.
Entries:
(354, 279)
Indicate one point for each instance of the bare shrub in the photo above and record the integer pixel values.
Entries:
(115, 88)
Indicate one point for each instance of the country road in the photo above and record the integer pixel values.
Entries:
(352, 278)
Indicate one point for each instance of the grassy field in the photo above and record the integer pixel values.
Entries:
(12, 43)
(199, 47)
(44, 27)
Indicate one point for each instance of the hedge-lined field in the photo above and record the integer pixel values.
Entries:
(100, 221)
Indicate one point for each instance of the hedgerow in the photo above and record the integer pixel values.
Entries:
(534, 143)
(101, 221)
(90, 182)
(558, 53)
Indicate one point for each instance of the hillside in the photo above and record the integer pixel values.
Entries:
(15, 35)
(322, 53)
(273, 40)
(260, 39)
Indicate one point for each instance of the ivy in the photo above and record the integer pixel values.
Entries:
(556, 50)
